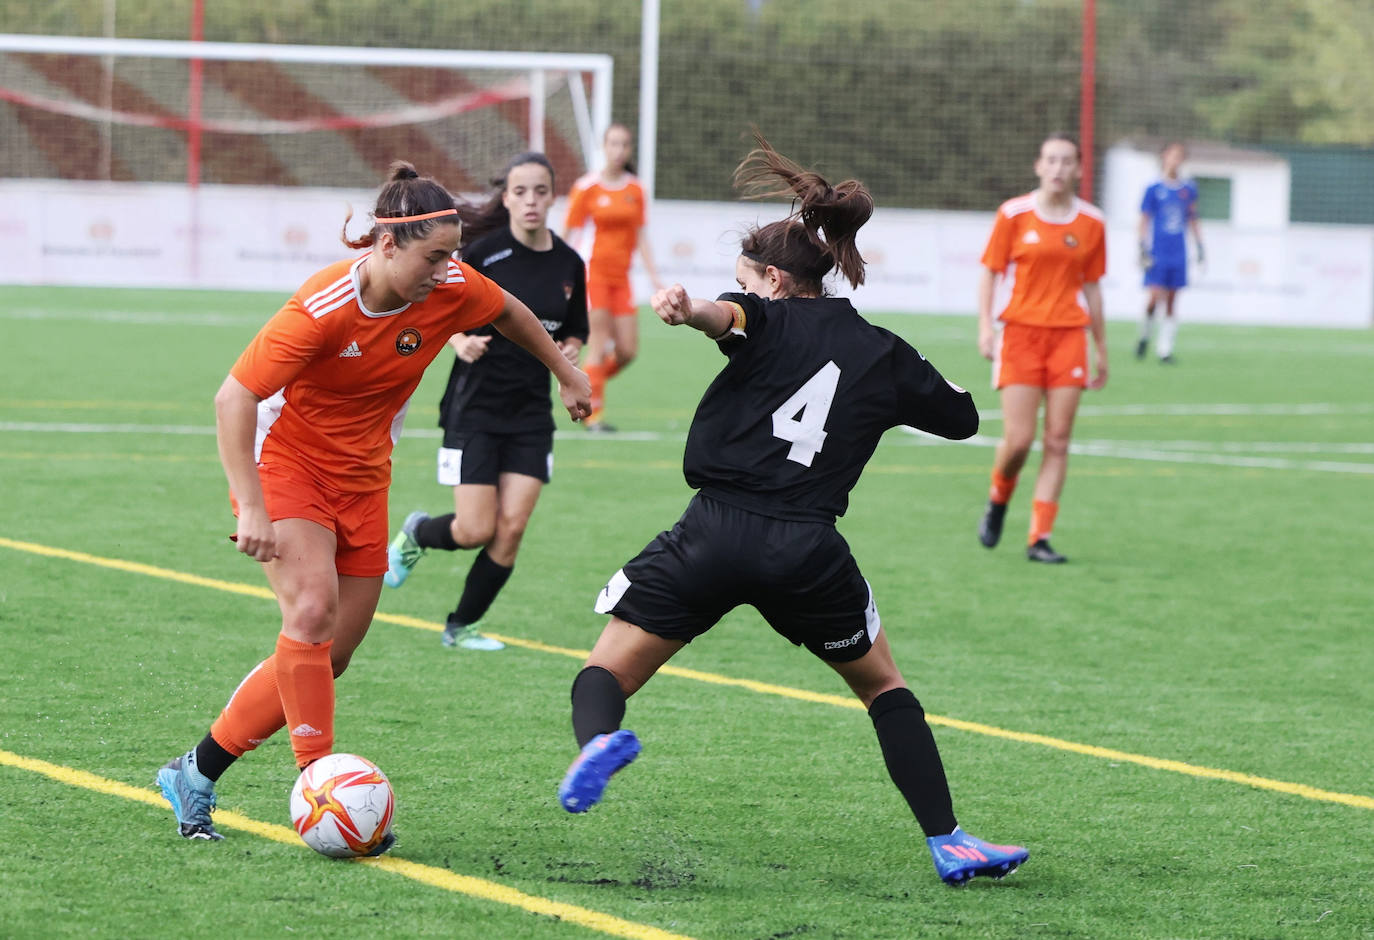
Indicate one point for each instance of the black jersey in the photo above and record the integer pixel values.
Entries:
(507, 389)
(787, 426)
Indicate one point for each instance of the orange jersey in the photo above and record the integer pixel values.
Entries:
(1047, 263)
(335, 377)
(618, 215)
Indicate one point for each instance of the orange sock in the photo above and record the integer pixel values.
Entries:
(596, 372)
(253, 713)
(612, 367)
(1001, 489)
(305, 679)
(1042, 520)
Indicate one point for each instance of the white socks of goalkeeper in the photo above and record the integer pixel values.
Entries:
(1168, 329)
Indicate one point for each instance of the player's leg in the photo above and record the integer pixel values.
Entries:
(515, 498)
(1147, 322)
(677, 588)
(623, 659)
(1168, 327)
(1061, 405)
(470, 466)
(834, 615)
(624, 331)
(596, 351)
(306, 583)
(1020, 414)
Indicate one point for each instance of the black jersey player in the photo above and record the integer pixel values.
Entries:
(496, 412)
(778, 440)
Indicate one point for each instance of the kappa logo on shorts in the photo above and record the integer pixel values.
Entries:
(408, 341)
(841, 644)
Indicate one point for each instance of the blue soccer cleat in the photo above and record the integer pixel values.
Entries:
(191, 804)
(404, 552)
(960, 856)
(586, 779)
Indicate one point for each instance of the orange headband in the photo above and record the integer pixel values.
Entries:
(396, 220)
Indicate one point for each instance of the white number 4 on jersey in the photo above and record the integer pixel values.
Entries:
(801, 419)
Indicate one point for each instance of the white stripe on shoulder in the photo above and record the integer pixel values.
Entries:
(1018, 205)
(342, 283)
(586, 180)
(455, 274)
(323, 308)
(1090, 210)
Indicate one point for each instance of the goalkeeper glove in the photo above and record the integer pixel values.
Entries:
(1147, 260)
(1201, 255)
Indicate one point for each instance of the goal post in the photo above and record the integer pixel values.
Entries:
(131, 108)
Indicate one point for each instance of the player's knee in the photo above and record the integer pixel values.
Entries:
(470, 533)
(312, 616)
(1056, 444)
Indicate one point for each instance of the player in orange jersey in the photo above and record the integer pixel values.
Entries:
(307, 419)
(615, 204)
(1051, 246)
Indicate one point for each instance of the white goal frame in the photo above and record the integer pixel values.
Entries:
(592, 118)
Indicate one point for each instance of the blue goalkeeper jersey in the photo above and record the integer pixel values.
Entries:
(1170, 206)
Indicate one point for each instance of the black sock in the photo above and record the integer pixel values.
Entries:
(913, 760)
(437, 532)
(598, 704)
(485, 580)
(211, 759)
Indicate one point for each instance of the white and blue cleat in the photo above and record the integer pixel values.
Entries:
(191, 804)
(404, 552)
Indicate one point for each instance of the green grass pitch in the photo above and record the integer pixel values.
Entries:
(1215, 614)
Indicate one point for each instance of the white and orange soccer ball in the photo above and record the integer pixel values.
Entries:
(342, 806)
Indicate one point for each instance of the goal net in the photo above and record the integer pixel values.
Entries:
(290, 115)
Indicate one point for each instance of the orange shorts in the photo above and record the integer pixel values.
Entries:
(1041, 356)
(358, 520)
(612, 295)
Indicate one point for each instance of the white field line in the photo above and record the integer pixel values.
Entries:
(1219, 453)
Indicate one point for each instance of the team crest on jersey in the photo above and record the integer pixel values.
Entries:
(567, 290)
(408, 341)
(1070, 240)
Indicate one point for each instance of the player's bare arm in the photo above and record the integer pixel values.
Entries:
(236, 421)
(675, 308)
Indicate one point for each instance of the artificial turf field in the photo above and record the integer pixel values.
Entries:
(1176, 723)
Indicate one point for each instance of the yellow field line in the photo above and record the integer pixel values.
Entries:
(1356, 800)
(425, 874)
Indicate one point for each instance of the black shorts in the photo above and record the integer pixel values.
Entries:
(801, 576)
(481, 457)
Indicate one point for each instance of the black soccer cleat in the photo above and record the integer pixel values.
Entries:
(1140, 348)
(990, 526)
(1040, 551)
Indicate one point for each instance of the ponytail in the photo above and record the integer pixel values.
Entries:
(819, 234)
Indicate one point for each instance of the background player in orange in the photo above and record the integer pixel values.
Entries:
(307, 420)
(1050, 245)
(612, 200)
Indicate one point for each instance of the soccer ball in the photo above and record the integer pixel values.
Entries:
(342, 805)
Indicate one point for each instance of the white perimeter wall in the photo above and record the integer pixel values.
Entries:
(919, 261)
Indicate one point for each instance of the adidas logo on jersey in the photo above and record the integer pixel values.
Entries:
(351, 351)
(305, 730)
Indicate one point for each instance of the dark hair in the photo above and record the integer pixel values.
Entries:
(1064, 136)
(404, 193)
(1170, 144)
(630, 163)
(492, 215)
(819, 233)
